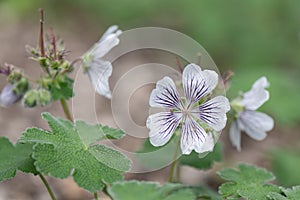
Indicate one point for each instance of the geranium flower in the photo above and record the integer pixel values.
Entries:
(199, 121)
(8, 96)
(98, 69)
(253, 123)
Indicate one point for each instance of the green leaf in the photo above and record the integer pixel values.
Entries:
(62, 88)
(96, 132)
(288, 194)
(15, 157)
(195, 161)
(293, 193)
(153, 158)
(276, 196)
(248, 182)
(69, 149)
(134, 190)
(204, 192)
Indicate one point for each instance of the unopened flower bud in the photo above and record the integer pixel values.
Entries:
(46, 82)
(44, 97)
(21, 86)
(55, 65)
(64, 65)
(43, 61)
(8, 96)
(14, 76)
(30, 99)
(32, 50)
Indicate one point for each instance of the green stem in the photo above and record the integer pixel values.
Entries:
(95, 195)
(177, 172)
(174, 162)
(47, 186)
(66, 109)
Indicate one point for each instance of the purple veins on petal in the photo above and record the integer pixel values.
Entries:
(193, 136)
(165, 95)
(213, 112)
(162, 126)
(198, 83)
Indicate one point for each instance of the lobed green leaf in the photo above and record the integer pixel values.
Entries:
(286, 194)
(15, 157)
(70, 149)
(62, 88)
(247, 181)
(134, 190)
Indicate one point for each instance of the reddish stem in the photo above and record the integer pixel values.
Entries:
(53, 42)
(42, 32)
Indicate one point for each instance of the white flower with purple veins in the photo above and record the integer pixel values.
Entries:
(253, 123)
(98, 69)
(199, 121)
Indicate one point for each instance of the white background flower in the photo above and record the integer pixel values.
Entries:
(8, 96)
(195, 119)
(253, 123)
(98, 69)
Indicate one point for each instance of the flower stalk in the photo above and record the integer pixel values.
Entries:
(47, 186)
(174, 163)
(66, 109)
(95, 195)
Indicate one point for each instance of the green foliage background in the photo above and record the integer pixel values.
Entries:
(252, 38)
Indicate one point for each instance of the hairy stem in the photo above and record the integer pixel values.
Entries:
(95, 195)
(47, 186)
(66, 109)
(178, 172)
(171, 174)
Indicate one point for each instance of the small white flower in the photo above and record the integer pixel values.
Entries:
(8, 96)
(98, 69)
(253, 123)
(199, 122)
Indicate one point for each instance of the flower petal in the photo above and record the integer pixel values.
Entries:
(99, 73)
(213, 112)
(162, 126)
(197, 83)
(235, 135)
(208, 145)
(165, 94)
(257, 96)
(194, 137)
(8, 96)
(255, 124)
(111, 30)
(102, 48)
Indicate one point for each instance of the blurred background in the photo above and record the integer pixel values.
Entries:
(251, 38)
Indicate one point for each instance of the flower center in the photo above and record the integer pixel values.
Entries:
(186, 112)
